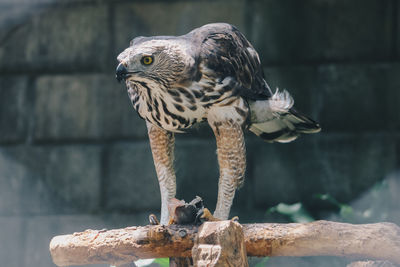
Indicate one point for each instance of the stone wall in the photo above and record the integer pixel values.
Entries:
(75, 155)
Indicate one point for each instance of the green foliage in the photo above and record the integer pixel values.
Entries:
(163, 262)
(296, 212)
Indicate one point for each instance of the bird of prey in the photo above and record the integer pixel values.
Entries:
(210, 74)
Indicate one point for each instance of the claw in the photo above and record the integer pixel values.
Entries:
(185, 213)
(153, 220)
(235, 219)
(194, 212)
(171, 221)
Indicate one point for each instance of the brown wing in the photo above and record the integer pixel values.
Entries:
(228, 53)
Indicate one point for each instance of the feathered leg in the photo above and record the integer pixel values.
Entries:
(162, 147)
(232, 163)
(227, 127)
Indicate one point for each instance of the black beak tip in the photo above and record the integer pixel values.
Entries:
(120, 72)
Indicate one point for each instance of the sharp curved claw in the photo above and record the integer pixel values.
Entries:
(153, 220)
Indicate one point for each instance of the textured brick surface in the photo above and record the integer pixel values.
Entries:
(197, 170)
(392, 94)
(72, 173)
(22, 190)
(82, 107)
(118, 118)
(300, 81)
(49, 180)
(349, 98)
(45, 43)
(397, 34)
(313, 30)
(131, 181)
(25, 241)
(341, 165)
(14, 108)
(40, 230)
(13, 14)
(359, 97)
(12, 237)
(172, 18)
(275, 180)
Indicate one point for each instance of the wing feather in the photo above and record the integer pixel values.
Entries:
(226, 51)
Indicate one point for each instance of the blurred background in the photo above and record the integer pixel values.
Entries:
(75, 155)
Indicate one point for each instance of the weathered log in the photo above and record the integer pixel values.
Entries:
(374, 241)
(379, 241)
(220, 244)
(121, 246)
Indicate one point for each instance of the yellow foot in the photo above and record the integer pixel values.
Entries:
(171, 221)
(208, 217)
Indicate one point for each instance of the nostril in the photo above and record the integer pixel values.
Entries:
(120, 72)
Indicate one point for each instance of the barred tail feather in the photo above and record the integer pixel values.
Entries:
(285, 128)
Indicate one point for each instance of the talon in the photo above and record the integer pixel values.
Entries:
(171, 221)
(235, 219)
(153, 220)
(207, 216)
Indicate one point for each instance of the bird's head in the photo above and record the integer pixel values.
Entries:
(161, 62)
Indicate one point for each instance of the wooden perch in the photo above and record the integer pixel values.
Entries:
(220, 244)
(379, 241)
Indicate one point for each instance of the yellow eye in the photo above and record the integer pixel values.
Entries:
(147, 60)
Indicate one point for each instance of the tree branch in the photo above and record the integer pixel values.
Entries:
(372, 241)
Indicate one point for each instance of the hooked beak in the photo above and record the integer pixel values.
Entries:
(121, 72)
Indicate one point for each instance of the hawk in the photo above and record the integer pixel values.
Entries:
(210, 74)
